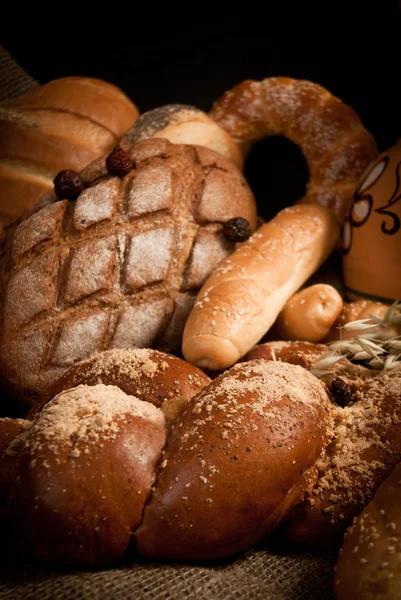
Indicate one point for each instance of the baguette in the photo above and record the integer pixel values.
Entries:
(242, 298)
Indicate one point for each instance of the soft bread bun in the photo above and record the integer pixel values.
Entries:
(182, 124)
(85, 471)
(63, 124)
(369, 564)
(153, 376)
(309, 314)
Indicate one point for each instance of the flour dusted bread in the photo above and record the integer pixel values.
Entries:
(236, 462)
(100, 471)
(119, 266)
(63, 124)
(364, 446)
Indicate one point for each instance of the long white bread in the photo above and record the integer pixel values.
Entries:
(242, 298)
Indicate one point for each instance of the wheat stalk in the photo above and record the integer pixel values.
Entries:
(379, 349)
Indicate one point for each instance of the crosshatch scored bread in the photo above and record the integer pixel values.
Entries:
(117, 267)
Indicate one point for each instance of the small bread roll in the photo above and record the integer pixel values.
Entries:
(309, 314)
(181, 124)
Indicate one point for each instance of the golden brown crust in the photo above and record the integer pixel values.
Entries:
(242, 298)
(238, 459)
(85, 470)
(152, 376)
(369, 563)
(309, 314)
(330, 134)
(182, 124)
(63, 124)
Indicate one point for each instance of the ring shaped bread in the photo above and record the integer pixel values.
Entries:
(242, 298)
(336, 146)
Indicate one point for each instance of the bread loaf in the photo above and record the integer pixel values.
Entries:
(63, 124)
(99, 471)
(242, 298)
(117, 267)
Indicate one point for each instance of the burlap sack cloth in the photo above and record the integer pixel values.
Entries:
(268, 571)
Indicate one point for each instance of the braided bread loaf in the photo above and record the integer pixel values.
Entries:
(120, 265)
(265, 444)
(99, 471)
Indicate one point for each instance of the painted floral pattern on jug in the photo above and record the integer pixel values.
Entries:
(372, 232)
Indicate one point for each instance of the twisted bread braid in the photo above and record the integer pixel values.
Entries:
(99, 470)
(105, 471)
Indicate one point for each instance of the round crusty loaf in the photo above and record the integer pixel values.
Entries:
(369, 564)
(182, 124)
(117, 268)
(63, 124)
(148, 374)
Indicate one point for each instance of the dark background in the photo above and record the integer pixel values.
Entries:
(193, 56)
